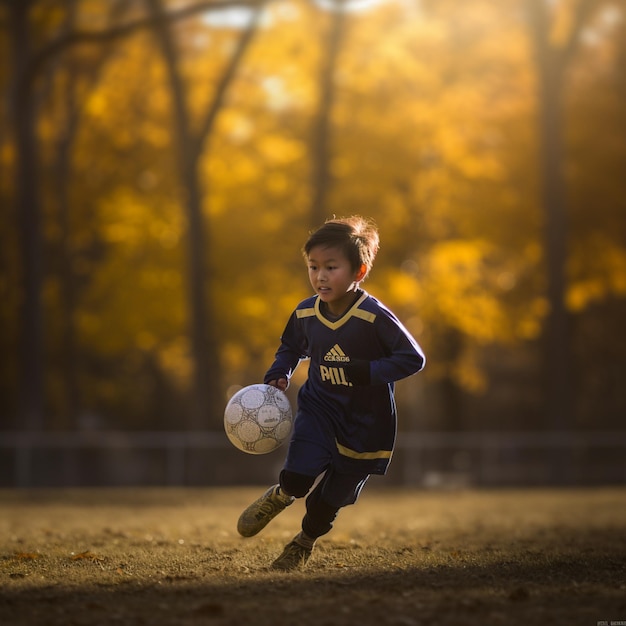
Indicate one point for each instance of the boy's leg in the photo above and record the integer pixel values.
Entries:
(262, 511)
(275, 500)
(332, 493)
(304, 463)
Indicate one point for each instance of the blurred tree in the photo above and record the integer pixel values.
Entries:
(321, 153)
(77, 77)
(206, 398)
(28, 64)
(28, 213)
(555, 41)
(596, 294)
(432, 133)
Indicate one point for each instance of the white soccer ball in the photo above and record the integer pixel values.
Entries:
(258, 419)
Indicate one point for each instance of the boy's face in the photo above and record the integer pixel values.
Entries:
(333, 278)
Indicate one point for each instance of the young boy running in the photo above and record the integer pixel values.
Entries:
(345, 425)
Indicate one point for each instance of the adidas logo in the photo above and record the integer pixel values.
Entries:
(336, 355)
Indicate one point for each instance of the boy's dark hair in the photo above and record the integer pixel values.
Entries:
(356, 236)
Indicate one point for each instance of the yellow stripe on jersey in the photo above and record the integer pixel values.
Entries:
(353, 454)
(300, 313)
(364, 315)
(354, 311)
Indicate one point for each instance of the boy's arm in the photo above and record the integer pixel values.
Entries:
(288, 356)
(404, 359)
(284, 365)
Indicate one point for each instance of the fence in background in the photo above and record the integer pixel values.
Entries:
(425, 459)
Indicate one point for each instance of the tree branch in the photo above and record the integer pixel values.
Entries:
(538, 18)
(581, 16)
(227, 76)
(66, 40)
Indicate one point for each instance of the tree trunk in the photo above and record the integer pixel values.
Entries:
(206, 399)
(63, 167)
(557, 361)
(321, 154)
(551, 61)
(67, 280)
(559, 398)
(28, 213)
(203, 384)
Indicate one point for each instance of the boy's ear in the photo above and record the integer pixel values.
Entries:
(361, 273)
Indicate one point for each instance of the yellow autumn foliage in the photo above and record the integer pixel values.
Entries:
(432, 132)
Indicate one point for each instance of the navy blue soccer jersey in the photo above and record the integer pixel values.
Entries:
(347, 402)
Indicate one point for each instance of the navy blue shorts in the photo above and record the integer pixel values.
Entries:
(340, 486)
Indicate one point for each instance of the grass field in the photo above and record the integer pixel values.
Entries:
(398, 557)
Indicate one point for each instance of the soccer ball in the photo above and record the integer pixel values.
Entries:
(258, 419)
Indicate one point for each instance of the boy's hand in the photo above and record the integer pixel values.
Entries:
(358, 372)
(281, 384)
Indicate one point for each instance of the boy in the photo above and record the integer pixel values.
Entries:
(345, 425)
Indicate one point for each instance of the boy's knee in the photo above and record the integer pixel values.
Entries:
(297, 485)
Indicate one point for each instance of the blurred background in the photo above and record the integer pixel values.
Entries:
(162, 162)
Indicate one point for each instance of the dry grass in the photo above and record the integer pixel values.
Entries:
(399, 557)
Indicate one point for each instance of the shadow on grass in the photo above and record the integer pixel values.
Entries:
(583, 587)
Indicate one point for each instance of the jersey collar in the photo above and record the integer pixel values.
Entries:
(352, 311)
